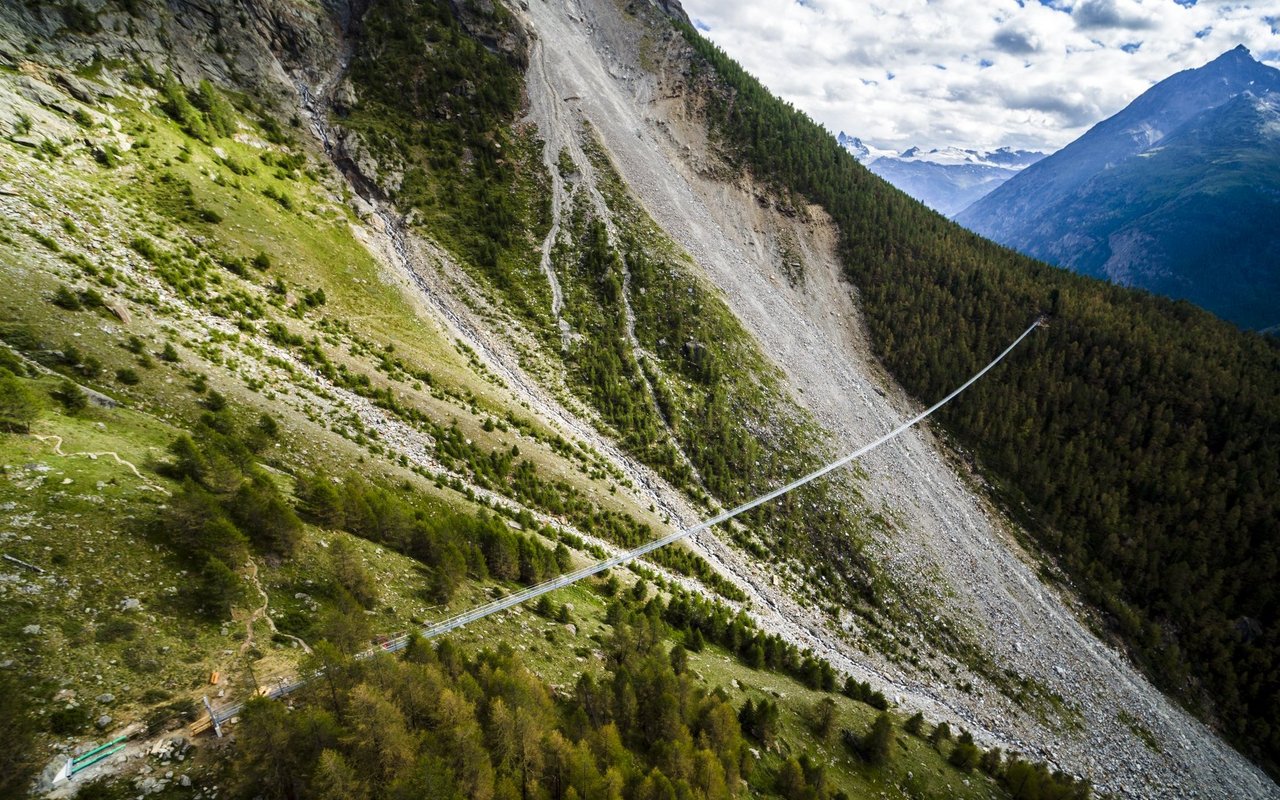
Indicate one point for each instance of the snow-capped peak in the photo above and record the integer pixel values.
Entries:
(948, 156)
(862, 151)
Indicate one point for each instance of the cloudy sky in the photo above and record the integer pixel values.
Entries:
(977, 73)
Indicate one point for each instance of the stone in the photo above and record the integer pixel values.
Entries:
(184, 780)
(103, 721)
(106, 697)
(32, 630)
(130, 604)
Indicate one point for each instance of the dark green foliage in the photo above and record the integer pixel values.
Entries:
(992, 761)
(18, 404)
(11, 362)
(438, 725)
(71, 396)
(108, 155)
(221, 587)
(876, 746)
(824, 718)
(965, 755)
(70, 358)
(218, 114)
(226, 504)
(215, 401)
(116, 629)
(204, 113)
(701, 619)
(107, 789)
(351, 574)
(79, 19)
(1027, 781)
(175, 103)
(68, 720)
(127, 376)
(170, 353)
(64, 298)
(862, 692)
(914, 724)
(759, 720)
(17, 731)
(454, 545)
(260, 510)
(280, 196)
(1137, 437)
(433, 94)
(694, 642)
(940, 734)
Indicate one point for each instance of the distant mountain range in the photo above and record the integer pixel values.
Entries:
(947, 180)
(1179, 194)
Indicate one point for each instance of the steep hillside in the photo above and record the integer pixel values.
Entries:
(336, 321)
(1174, 194)
(1090, 445)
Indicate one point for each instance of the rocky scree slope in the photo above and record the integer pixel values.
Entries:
(736, 232)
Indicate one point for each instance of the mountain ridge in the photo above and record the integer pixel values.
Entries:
(1064, 208)
(947, 179)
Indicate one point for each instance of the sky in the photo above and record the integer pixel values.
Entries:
(980, 74)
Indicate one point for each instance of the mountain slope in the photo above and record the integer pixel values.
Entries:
(1171, 194)
(489, 268)
(1084, 445)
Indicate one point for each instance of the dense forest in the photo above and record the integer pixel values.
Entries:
(1138, 438)
(442, 723)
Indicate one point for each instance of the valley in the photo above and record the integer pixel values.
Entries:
(325, 275)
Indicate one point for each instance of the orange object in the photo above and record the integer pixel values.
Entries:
(213, 677)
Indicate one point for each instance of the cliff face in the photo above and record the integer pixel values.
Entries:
(528, 241)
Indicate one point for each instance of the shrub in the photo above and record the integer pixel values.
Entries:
(64, 298)
(915, 724)
(71, 396)
(69, 720)
(18, 406)
(79, 19)
(965, 756)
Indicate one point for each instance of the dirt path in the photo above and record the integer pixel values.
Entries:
(260, 613)
(57, 449)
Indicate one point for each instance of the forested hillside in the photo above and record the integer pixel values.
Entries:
(1138, 438)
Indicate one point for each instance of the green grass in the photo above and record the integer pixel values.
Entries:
(158, 192)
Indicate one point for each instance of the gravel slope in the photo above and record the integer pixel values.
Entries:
(946, 540)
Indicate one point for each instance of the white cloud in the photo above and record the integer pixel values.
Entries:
(979, 73)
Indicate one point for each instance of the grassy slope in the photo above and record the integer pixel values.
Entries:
(70, 226)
